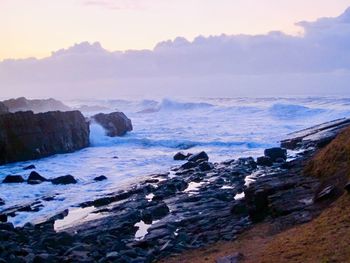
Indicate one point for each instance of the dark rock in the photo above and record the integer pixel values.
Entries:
(235, 258)
(66, 179)
(25, 135)
(180, 156)
(115, 123)
(158, 211)
(2, 202)
(3, 218)
(280, 160)
(347, 187)
(199, 156)
(29, 167)
(6, 226)
(188, 165)
(325, 193)
(264, 161)
(34, 176)
(275, 153)
(205, 166)
(100, 178)
(13, 179)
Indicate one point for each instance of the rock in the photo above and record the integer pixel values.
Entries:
(188, 165)
(180, 156)
(41, 105)
(115, 123)
(6, 226)
(2, 202)
(264, 161)
(325, 193)
(26, 136)
(3, 108)
(29, 167)
(66, 179)
(13, 179)
(205, 166)
(100, 178)
(275, 153)
(112, 255)
(3, 218)
(35, 178)
(199, 156)
(159, 211)
(235, 258)
(347, 187)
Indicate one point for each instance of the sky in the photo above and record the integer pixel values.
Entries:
(156, 48)
(35, 28)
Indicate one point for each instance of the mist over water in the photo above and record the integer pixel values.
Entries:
(224, 128)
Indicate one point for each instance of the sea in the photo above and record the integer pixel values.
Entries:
(226, 128)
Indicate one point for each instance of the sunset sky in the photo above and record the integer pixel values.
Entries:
(35, 28)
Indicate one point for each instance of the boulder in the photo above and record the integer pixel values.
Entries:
(205, 166)
(13, 179)
(115, 123)
(100, 178)
(180, 156)
(29, 167)
(35, 178)
(188, 165)
(264, 161)
(66, 179)
(276, 153)
(26, 136)
(202, 156)
(38, 105)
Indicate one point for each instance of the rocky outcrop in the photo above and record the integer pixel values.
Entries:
(25, 135)
(115, 123)
(23, 104)
(3, 108)
(317, 136)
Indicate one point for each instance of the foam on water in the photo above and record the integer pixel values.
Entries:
(225, 128)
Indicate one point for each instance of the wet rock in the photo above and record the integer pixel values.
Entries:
(115, 123)
(158, 211)
(13, 179)
(189, 165)
(205, 166)
(100, 178)
(2, 202)
(325, 193)
(6, 226)
(29, 167)
(113, 255)
(264, 161)
(180, 156)
(235, 258)
(3, 218)
(199, 156)
(275, 153)
(35, 178)
(66, 179)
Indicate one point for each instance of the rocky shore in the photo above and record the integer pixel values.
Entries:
(194, 205)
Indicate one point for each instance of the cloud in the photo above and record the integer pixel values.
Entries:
(316, 63)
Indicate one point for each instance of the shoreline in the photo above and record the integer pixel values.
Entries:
(196, 205)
